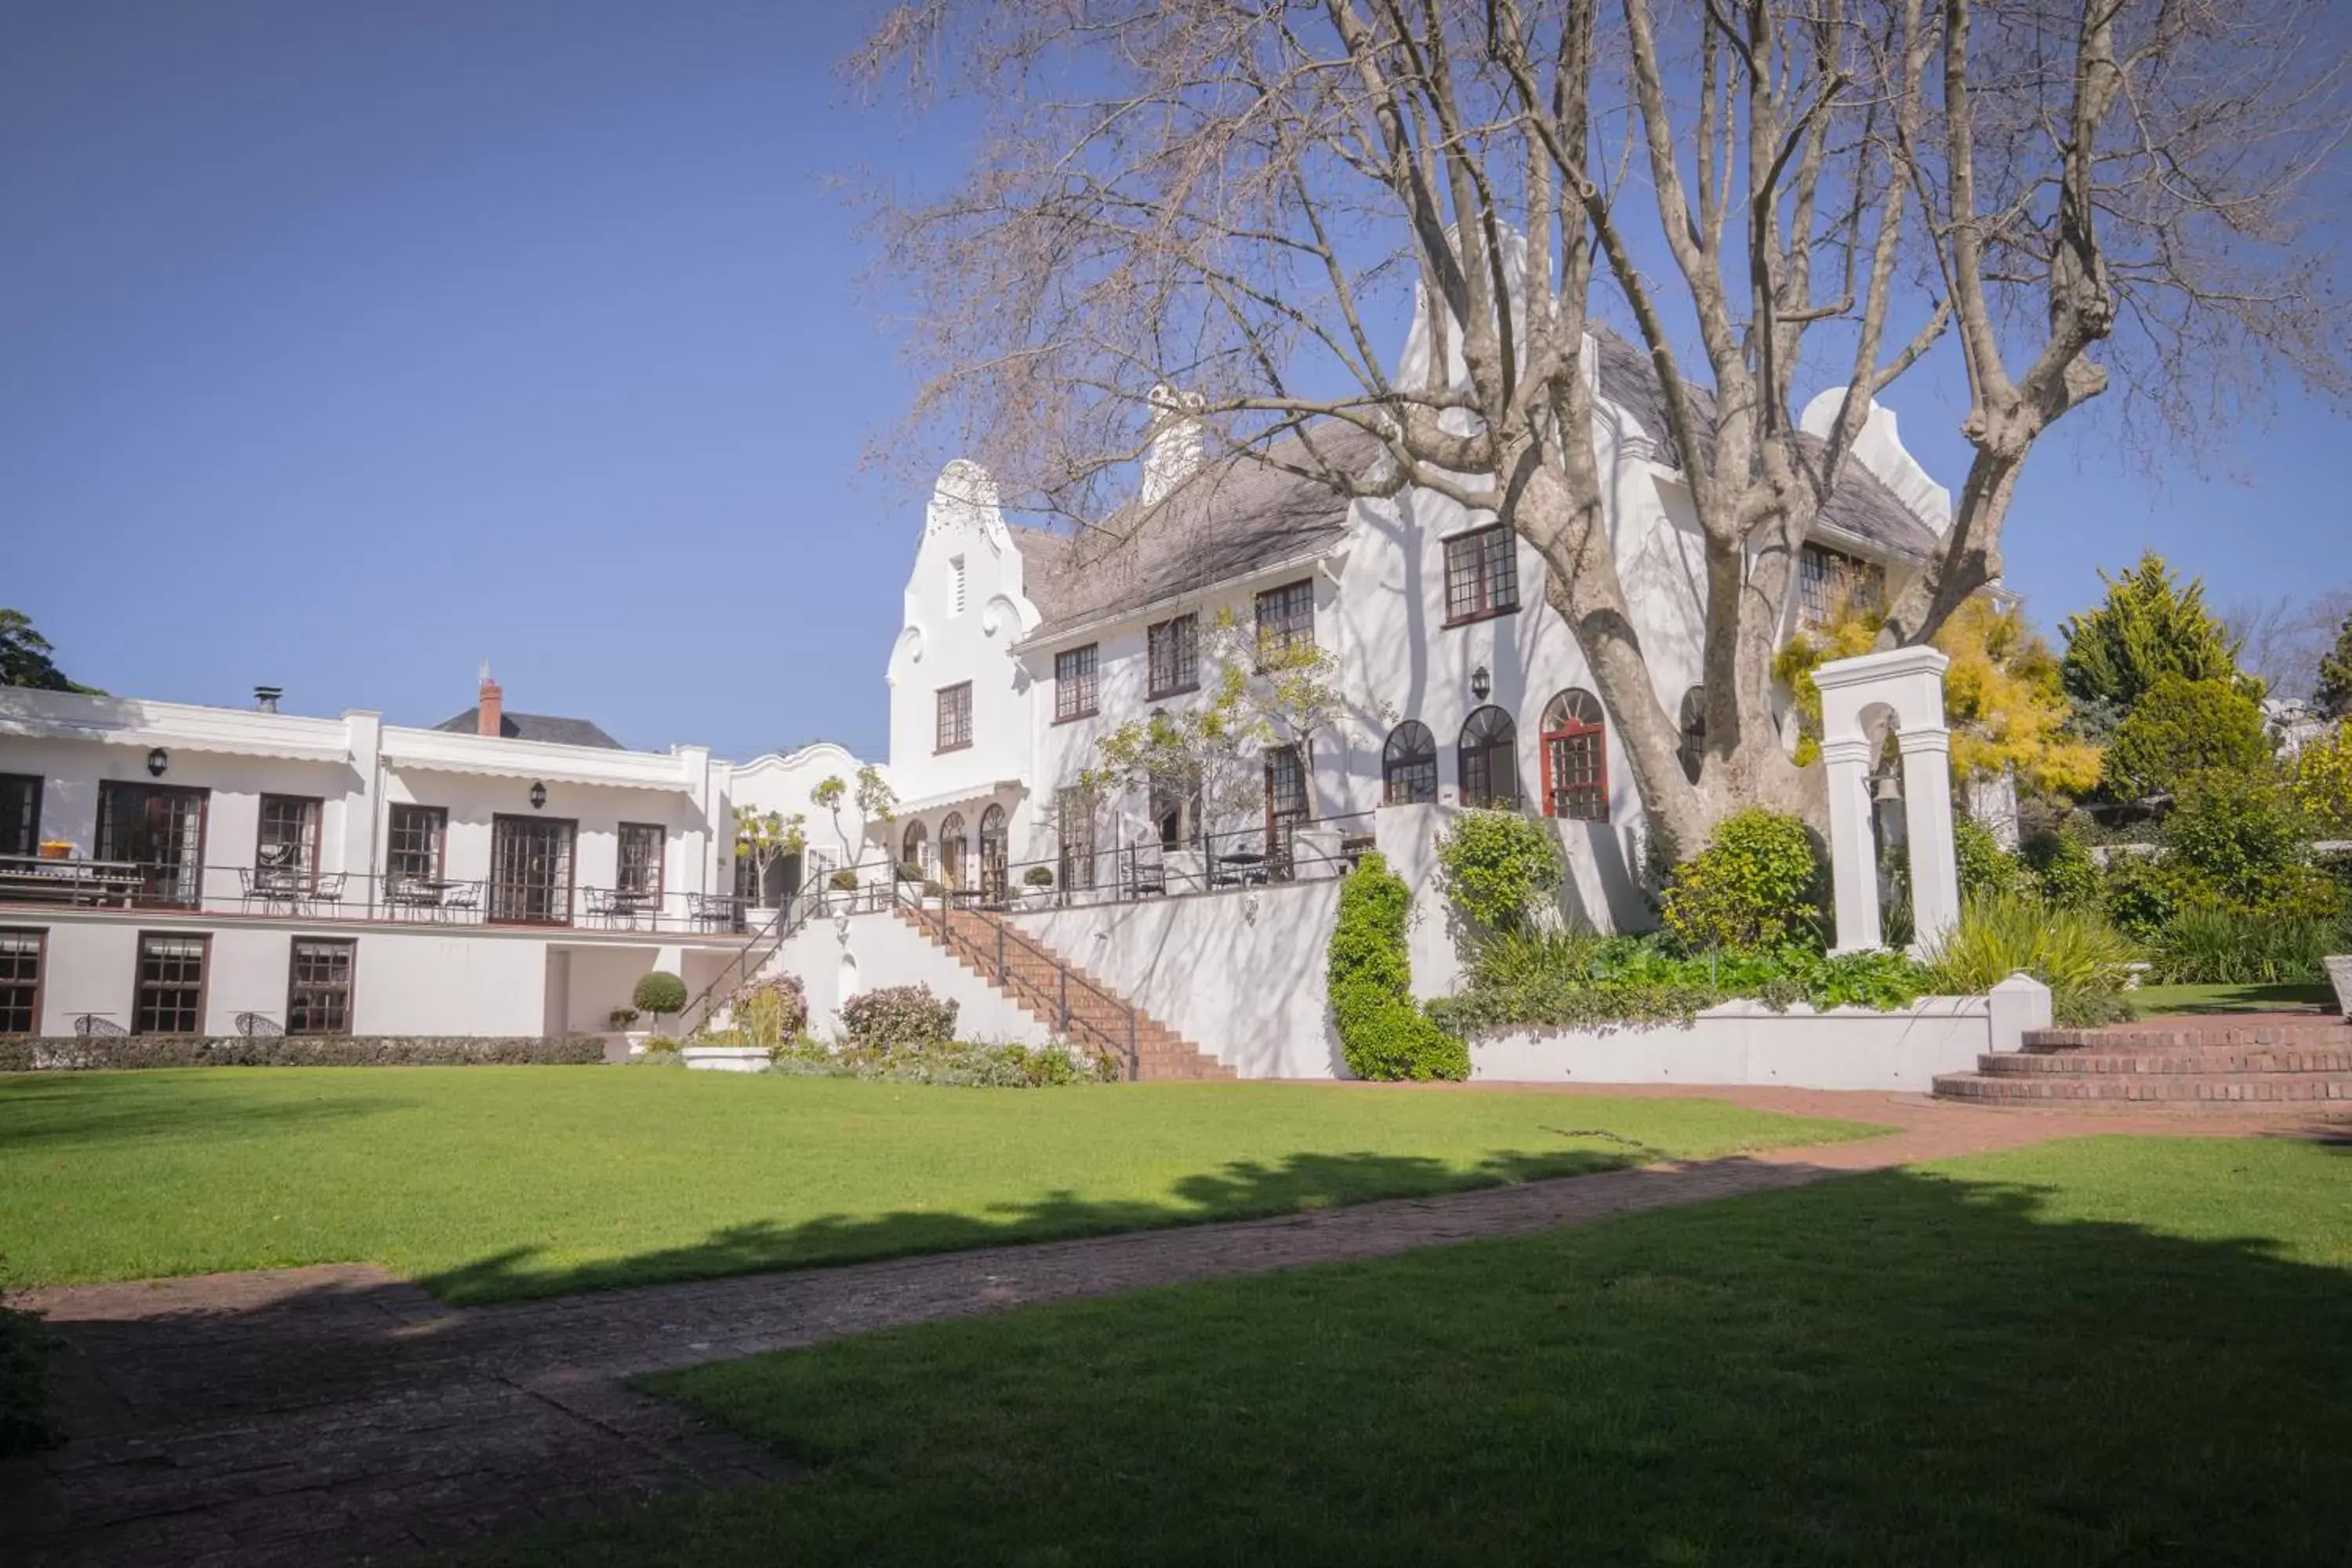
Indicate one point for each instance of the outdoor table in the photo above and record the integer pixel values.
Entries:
(1250, 866)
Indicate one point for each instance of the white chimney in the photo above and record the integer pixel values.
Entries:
(1175, 446)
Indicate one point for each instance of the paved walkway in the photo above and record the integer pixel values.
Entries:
(337, 1415)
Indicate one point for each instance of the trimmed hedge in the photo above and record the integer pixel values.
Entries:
(1383, 1033)
(895, 1018)
(119, 1052)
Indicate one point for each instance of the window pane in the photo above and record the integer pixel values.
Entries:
(318, 987)
(287, 847)
(159, 829)
(413, 847)
(171, 986)
(954, 726)
(20, 815)
(20, 981)
(531, 870)
(1073, 682)
(1173, 647)
(641, 858)
(1285, 616)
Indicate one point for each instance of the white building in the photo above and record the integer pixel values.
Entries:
(172, 867)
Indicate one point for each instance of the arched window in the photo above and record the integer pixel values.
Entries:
(1409, 766)
(1487, 758)
(952, 850)
(1693, 750)
(1576, 758)
(912, 847)
(992, 837)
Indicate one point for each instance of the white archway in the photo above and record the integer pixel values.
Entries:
(1908, 684)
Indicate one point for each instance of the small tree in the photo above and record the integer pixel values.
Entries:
(873, 798)
(2333, 693)
(2006, 702)
(764, 837)
(2182, 727)
(2148, 627)
(660, 995)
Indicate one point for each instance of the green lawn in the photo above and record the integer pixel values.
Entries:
(494, 1182)
(2159, 1000)
(2105, 1352)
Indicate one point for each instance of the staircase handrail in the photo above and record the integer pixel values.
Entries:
(1124, 1055)
(790, 916)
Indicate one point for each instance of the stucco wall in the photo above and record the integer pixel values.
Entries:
(1239, 973)
(836, 958)
(1748, 1043)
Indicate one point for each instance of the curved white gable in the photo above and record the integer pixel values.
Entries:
(1880, 450)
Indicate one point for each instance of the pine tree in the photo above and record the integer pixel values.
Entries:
(2148, 627)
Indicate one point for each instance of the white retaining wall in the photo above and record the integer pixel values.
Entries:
(1240, 973)
(838, 956)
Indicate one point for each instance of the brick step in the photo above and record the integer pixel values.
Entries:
(2295, 1033)
(2326, 1094)
(2186, 1060)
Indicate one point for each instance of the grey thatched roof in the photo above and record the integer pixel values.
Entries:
(1860, 505)
(517, 726)
(1249, 513)
(1230, 521)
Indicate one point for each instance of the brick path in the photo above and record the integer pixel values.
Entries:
(338, 1415)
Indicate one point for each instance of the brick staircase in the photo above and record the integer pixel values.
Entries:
(1034, 977)
(2293, 1062)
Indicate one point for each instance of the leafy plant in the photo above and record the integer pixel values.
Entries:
(1037, 876)
(843, 881)
(2323, 779)
(772, 1010)
(1985, 868)
(2062, 868)
(1383, 1033)
(1754, 887)
(896, 1017)
(2147, 629)
(2332, 695)
(659, 994)
(2181, 728)
(2084, 961)
(2006, 705)
(622, 1017)
(2215, 946)
(2236, 837)
(961, 1064)
(1495, 867)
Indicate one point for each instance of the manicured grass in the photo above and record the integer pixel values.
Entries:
(494, 1182)
(2111, 1351)
(2161, 1000)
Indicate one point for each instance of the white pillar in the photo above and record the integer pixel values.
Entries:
(1853, 860)
(1927, 814)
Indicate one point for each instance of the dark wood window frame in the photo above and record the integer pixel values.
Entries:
(12, 982)
(20, 814)
(1474, 759)
(1077, 683)
(660, 837)
(305, 864)
(499, 912)
(1076, 853)
(1482, 574)
(304, 996)
(1575, 747)
(1285, 615)
(141, 988)
(1172, 657)
(954, 718)
(1409, 766)
(111, 829)
(1831, 583)
(433, 821)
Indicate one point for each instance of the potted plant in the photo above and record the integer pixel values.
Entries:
(1037, 884)
(844, 882)
(624, 1021)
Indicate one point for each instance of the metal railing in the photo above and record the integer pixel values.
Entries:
(1115, 1040)
(338, 896)
(1211, 863)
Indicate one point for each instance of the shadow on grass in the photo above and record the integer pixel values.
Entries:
(1240, 1190)
(97, 1107)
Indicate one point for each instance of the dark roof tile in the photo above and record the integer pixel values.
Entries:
(517, 726)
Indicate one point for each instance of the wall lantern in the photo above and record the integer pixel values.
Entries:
(537, 794)
(1481, 683)
(157, 760)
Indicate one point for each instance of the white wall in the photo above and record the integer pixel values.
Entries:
(784, 782)
(885, 952)
(1240, 973)
(1748, 1043)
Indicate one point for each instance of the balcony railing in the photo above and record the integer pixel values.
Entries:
(293, 892)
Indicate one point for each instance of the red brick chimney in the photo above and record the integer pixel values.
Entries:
(492, 708)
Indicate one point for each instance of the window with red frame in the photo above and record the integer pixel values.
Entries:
(1576, 758)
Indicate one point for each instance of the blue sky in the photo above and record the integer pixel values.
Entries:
(349, 346)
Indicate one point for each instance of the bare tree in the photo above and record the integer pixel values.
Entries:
(2283, 640)
(1245, 198)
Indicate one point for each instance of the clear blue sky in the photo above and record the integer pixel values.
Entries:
(347, 346)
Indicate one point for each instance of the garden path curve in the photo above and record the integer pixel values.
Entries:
(336, 1414)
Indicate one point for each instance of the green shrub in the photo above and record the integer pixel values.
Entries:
(772, 1010)
(2235, 838)
(28, 1413)
(2181, 728)
(2061, 870)
(659, 994)
(1753, 888)
(116, 1053)
(2222, 946)
(1037, 876)
(1985, 868)
(2140, 894)
(843, 881)
(2084, 961)
(895, 1018)
(1497, 866)
(959, 1063)
(1383, 1033)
